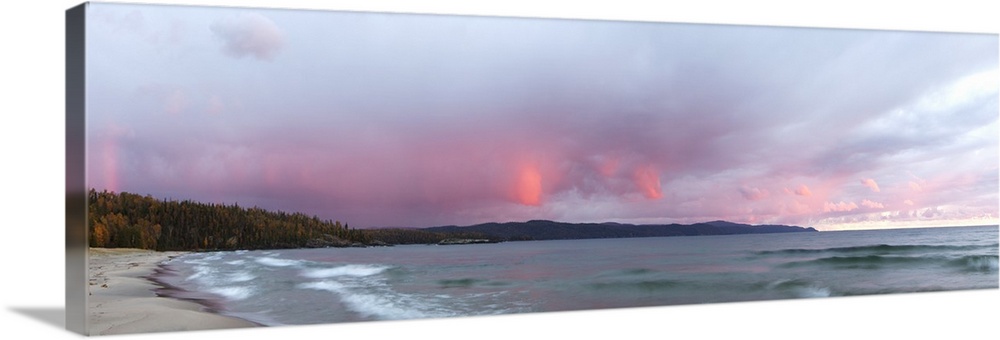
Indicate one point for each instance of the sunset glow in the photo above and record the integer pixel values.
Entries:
(421, 122)
(529, 186)
(648, 181)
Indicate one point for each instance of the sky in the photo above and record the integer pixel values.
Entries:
(391, 120)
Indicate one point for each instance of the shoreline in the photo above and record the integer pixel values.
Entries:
(122, 297)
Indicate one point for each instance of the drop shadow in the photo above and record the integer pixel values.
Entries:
(54, 316)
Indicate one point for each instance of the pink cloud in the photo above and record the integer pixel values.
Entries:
(648, 182)
(803, 190)
(753, 193)
(529, 185)
(908, 202)
(796, 208)
(872, 205)
(608, 166)
(839, 207)
(870, 183)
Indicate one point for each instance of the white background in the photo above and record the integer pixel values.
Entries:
(32, 187)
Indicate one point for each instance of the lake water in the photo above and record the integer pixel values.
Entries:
(310, 286)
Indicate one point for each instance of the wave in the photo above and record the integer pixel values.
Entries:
(865, 260)
(356, 270)
(641, 285)
(800, 288)
(232, 293)
(276, 262)
(459, 283)
(878, 248)
(637, 271)
(382, 305)
(213, 277)
(710, 289)
(983, 263)
(969, 262)
(199, 272)
(201, 258)
(366, 289)
(241, 276)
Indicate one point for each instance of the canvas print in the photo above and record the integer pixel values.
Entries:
(250, 167)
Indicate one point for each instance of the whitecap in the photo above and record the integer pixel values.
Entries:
(329, 286)
(388, 307)
(355, 270)
(983, 263)
(812, 292)
(775, 284)
(200, 272)
(242, 276)
(232, 293)
(276, 262)
(381, 304)
(213, 257)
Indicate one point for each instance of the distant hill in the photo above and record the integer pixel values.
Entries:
(551, 230)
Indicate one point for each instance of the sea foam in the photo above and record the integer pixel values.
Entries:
(812, 292)
(981, 263)
(381, 304)
(241, 276)
(356, 270)
(276, 262)
(232, 293)
(200, 272)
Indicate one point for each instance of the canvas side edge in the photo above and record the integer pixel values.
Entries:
(76, 193)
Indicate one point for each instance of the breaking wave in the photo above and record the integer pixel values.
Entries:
(968, 262)
(382, 304)
(983, 263)
(232, 293)
(276, 262)
(800, 288)
(357, 270)
(877, 249)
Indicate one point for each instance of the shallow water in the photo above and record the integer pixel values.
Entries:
(308, 286)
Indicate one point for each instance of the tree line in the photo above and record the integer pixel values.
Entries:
(126, 220)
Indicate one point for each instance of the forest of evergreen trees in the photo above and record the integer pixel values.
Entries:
(134, 221)
(125, 220)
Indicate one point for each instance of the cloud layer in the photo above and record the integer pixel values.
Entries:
(399, 120)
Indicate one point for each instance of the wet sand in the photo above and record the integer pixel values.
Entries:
(122, 300)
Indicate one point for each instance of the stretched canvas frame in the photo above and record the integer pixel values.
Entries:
(75, 171)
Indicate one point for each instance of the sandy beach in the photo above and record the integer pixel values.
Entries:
(122, 301)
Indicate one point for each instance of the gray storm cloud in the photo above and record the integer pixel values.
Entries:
(249, 35)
